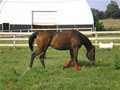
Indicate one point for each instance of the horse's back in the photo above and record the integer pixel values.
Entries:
(59, 40)
(65, 40)
(43, 39)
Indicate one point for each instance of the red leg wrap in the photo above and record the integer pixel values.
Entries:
(67, 64)
(76, 66)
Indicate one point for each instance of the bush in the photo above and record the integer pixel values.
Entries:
(99, 26)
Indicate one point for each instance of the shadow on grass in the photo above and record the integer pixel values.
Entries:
(88, 64)
(82, 63)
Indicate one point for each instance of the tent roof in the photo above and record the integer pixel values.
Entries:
(68, 11)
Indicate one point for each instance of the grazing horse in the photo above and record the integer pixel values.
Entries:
(70, 40)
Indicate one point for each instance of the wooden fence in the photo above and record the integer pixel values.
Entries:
(93, 36)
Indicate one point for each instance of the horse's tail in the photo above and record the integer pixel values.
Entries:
(31, 40)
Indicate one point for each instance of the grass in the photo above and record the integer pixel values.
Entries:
(111, 24)
(11, 42)
(15, 75)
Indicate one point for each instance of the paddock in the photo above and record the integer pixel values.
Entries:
(15, 54)
(14, 72)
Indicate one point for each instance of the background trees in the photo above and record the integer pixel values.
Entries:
(98, 14)
(113, 11)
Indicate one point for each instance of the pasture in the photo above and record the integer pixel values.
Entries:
(111, 24)
(15, 75)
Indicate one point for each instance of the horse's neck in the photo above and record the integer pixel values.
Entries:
(87, 44)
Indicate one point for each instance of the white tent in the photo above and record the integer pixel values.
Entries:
(68, 13)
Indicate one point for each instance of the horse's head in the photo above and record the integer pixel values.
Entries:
(91, 55)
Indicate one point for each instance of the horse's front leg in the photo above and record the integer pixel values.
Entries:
(33, 56)
(42, 57)
(69, 62)
(75, 53)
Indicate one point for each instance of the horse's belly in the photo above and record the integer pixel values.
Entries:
(60, 44)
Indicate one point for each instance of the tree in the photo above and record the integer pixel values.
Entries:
(113, 10)
(97, 16)
(97, 13)
(99, 26)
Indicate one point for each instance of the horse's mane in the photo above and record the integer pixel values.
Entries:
(86, 42)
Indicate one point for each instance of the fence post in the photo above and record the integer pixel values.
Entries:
(96, 38)
(20, 34)
(14, 42)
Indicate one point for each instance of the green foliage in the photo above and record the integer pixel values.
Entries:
(98, 14)
(15, 75)
(99, 26)
(113, 10)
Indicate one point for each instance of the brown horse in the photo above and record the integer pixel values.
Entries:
(67, 40)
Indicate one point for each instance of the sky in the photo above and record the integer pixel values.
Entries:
(101, 4)
(98, 4)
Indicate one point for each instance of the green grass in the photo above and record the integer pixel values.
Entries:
(11, 42)
(14, 73)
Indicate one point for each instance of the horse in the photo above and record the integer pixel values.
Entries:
(70, 40)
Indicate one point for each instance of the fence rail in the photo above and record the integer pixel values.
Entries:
(22, 36)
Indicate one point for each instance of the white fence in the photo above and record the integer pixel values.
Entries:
(20, 36)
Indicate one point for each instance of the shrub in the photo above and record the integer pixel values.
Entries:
(99, 26)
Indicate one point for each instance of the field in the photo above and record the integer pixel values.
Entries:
(15, 74)
(111, 24)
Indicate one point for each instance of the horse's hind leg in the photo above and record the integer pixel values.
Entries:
(68, 63)
(33, 56)
(42, 57)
